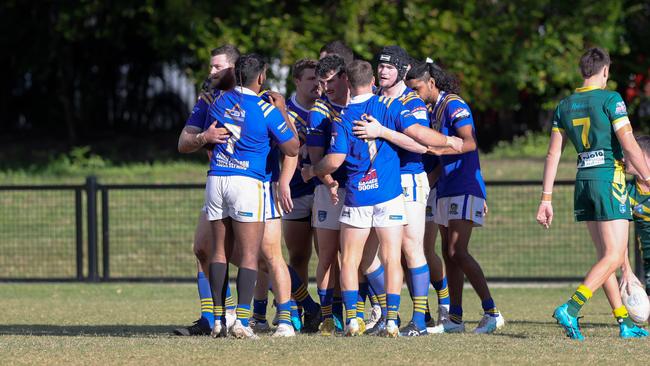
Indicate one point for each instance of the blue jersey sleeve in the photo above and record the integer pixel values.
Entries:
(418, 109)
(317, 131)
(340, 140)
(402, 116)
(278, 127)
(458, 114)
(199, 112)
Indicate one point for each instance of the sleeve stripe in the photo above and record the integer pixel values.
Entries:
(557, 129)
(268, 110)
(620, 122)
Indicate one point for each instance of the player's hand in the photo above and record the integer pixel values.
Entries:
(334, 192)
(545, 214)
(435, 150)
(277, 100)
(306, 172)
(455, 143)
(485, 208)
(368, 129)
(284, 197)
(628, 280)
(216, 135)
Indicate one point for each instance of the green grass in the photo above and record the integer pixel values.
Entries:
(130, 324)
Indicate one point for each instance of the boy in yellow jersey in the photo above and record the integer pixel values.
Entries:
(595, 121)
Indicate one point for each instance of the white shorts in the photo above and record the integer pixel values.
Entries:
(301, 208)
(272, 209)
(415, 187)
(430, 213)
(385, 214)
(235, 196)
(324, 214)
(465, 207)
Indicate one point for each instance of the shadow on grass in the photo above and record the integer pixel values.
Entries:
(87, 330)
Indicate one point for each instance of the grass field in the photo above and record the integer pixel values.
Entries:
(130, 324)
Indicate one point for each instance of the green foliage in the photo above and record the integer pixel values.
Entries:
(78, 161)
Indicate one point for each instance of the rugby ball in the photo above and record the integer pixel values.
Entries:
(636, 301)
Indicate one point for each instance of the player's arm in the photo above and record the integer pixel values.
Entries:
(327, 165)
(466, 134)
(429, 137)
(397, 138)
(434, 175)
(289, 165)
(632, 151)
(192, 138)
(555, 148)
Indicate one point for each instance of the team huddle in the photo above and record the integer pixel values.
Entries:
(369, 165)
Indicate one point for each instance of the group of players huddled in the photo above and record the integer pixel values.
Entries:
(368, 164)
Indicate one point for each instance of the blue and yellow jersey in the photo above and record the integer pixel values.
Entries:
(461, 173)
(253, 124)
(300, 118)
(410, 162)
(319, 132)
(199, 113)
(273, 160)
(371, 163)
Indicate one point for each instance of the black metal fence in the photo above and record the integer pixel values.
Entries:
(97, 232)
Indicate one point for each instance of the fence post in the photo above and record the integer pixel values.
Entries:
(91, 203)
(105, 240)
(79, 233)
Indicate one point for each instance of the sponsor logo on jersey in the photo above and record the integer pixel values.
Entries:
(395, 217)
(453, 209)
(369, 181)
(244, 214)
(322, 215)
(591, 158)
(235, 113)
(478, 213)
(620, 108)
(638, 209)
(460, 113)
(230, 162)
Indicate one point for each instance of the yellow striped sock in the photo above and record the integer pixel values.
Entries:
(327, 311)
(301, 293)
(585, 291)
(243, 313)
(218, 311)
(420, 304)
(230, 302)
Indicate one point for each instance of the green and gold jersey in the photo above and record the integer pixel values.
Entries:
(589, 118)
(640, 202)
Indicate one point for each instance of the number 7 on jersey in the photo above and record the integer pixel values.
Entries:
(585, 123)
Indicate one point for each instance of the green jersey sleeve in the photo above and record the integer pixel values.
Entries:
(616, 110)
(557, 122)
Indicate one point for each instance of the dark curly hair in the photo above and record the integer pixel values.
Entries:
(445, 81)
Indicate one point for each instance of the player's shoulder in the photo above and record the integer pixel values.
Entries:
(322, 106)
(410, 96)
(263, 102)
(389, 102)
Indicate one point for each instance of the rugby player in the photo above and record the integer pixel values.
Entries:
(393, 63)
(460, 198)
(191, 139)
(330, 71)
(595, 120)
(235, 185)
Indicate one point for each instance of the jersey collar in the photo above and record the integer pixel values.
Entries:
(294, 100)
(586, 89)
(360, 98)
(244, 90)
